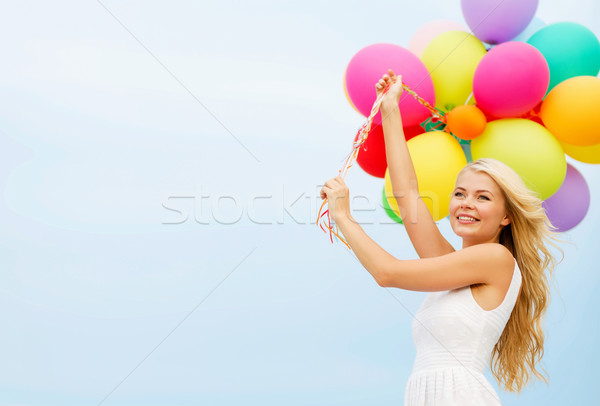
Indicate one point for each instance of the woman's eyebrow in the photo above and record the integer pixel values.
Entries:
(477, 191)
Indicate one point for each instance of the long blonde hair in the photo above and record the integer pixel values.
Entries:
(521, 345)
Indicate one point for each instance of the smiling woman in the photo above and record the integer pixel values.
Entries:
(488, 299)
(477, 208)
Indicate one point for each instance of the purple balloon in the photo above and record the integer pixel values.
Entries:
(497, 21)
(569, 205)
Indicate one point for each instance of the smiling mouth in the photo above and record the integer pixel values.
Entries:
(470, 219)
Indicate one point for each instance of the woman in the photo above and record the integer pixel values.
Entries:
(488, 299)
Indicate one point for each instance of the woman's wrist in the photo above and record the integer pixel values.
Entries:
(388, 104)
(343, 218)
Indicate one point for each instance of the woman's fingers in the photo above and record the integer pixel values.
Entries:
(394, 77)
(333, 184)
(386, 80)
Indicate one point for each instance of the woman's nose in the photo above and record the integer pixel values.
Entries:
(466, 203)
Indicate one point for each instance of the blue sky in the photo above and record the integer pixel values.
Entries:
(160, 182)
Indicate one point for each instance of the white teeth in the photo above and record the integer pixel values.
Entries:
(467, 218)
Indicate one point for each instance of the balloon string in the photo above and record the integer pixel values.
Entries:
(434, 112)
(361, 137)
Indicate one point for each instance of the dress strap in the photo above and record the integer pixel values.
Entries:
(513, 290)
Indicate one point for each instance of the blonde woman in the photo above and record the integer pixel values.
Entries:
(488, 299)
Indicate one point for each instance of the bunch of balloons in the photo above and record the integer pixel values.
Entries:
(513, 89)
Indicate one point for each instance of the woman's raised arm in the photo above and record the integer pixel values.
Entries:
(480, 264)
(422, 230)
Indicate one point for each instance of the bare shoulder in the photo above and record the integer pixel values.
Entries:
(501, 263)
(497, 257)
(493, 252)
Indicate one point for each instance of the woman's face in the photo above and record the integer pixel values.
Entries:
(477, 209)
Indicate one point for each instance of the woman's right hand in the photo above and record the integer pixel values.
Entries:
(395, 83)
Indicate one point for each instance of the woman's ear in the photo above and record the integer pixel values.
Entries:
(505, 221)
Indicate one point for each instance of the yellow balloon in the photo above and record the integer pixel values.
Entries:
(451, 59)
(528, 148)
(588, 154)
(437, 158)
(569, 111)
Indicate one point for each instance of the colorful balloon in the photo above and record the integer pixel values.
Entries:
(413, 131)
(437, 158)
(370, 63)
(497, 21)
(466, 122)
(528, 148)
(589, 154)
(569, 205)
(510, 80)
(452, 58)
(570, 50)
(386, 206)
(424, 35)
(570, 111)
(372, 156)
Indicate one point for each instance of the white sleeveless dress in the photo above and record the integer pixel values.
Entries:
(454, 338)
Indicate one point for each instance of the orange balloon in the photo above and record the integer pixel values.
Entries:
(569, 111)
(466, 122)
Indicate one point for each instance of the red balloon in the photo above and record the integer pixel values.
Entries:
(413, 131)
(536, 119)
(371, 155)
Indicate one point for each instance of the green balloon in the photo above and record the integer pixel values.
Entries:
(570, 50)
(388, 209)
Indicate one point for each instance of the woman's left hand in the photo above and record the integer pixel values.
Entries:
(337, 194)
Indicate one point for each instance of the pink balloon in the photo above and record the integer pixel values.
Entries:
(371, 63)
(424, 35)
(511, 79)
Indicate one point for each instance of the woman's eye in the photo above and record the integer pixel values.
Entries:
(484, 197)
(458, 194)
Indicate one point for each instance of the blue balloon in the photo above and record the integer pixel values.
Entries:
(534, 26)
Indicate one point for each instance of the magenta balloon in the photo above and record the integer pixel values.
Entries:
(511, 79)
(371, 63)
(568, 206)
(497, 21)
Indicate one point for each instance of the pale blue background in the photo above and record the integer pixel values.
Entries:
(100, 146)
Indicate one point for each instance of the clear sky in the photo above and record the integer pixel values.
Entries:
(160, 176)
